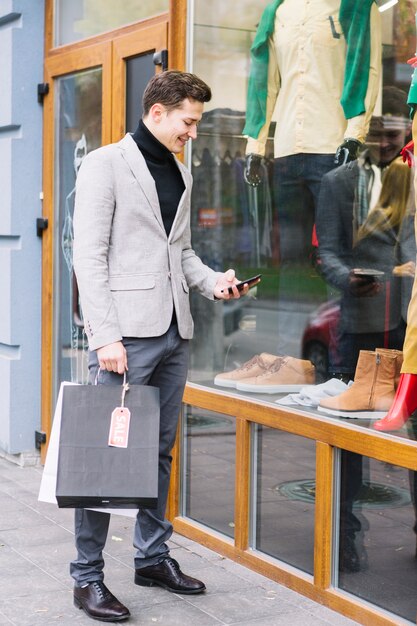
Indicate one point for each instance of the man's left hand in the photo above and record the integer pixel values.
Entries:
(226, 280)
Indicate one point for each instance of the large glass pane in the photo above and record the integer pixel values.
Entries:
(377, 536)
(208, 486)
(321, 205)
(139, 70)
(77, 132)
(77, 19)
(284, 493)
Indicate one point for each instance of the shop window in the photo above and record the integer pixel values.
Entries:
(209, 469)
(78, 19)
(377, 533)
(281, 190)
(283, 497)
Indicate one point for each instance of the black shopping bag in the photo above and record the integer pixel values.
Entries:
(94, 474)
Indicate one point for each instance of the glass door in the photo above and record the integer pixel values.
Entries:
(94, 98)
(133, 66)
(78, 130)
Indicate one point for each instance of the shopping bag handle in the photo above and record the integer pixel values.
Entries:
(125, 385)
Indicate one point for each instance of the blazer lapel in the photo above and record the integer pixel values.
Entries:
(139, 169)
(183, 204)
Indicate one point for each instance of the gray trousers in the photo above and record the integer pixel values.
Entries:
(161, 362)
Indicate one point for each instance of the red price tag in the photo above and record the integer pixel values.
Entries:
(119, 427)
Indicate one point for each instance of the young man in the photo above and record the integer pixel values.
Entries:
(134, 266)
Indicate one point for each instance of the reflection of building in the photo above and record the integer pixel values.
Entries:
(236, 451)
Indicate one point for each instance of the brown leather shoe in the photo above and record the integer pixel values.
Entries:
(99, 603)
(169, 576)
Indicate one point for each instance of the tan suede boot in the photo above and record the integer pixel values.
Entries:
(284, 376)
(372, 392)
(255, 366)
(398, 363)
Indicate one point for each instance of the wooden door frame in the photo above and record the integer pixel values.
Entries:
(101, 51)
(177, 19)
(152, 37)
(95, 55)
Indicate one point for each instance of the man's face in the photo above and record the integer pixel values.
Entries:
(387, 136)
(175, 127)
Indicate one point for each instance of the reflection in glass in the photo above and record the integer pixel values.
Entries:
(209, 469)
(78, 19)
(284, 493)
(377, 534)
(234, 224)
(306, 305)
(78, 131)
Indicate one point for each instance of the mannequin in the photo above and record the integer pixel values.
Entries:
(316, 65)
(343, 40)
(405, 401)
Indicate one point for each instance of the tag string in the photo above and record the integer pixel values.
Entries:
(125, 389)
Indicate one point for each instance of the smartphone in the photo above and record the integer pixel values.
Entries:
(251, 282)
(368, 275)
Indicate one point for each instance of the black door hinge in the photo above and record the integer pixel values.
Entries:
(43, 90)
(40, 438)
(161, 58)
(41, 225)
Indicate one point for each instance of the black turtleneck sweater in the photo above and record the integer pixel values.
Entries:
(165, 172)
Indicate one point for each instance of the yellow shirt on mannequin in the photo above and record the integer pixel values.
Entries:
(307, 55)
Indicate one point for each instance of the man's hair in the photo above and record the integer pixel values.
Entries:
(172, 87)
(394, 102)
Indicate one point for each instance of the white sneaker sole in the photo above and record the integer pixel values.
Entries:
(359, 415)
(241, 386)
(223, 382)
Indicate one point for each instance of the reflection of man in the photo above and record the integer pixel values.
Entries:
(135, 265)
(315, 68)
(67, 240)
(346, 197)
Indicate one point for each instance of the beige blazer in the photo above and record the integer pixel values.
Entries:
(130, 274)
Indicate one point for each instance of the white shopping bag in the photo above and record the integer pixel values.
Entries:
(48, 482)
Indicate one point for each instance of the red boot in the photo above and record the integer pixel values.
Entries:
(405, 403)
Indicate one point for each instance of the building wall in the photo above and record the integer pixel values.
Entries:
(21, 69)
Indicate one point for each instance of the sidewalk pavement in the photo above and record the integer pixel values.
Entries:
(36, 545)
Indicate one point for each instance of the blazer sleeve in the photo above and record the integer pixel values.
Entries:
(93, 215)
(198, 275)
(331, 229)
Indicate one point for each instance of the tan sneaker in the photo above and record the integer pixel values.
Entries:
(285, 375)
(372, 392)
(255, 366)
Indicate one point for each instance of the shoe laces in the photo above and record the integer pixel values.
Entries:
(173, 563)
(101, 589)
(276, 365)
(253, 361)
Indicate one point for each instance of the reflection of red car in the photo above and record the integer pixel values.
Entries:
(319, 337)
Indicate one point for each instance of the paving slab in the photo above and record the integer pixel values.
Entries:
(37, 543)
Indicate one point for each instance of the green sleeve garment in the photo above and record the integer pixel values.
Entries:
(412, 94)
(355, 19)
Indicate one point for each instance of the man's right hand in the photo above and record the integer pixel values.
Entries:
(113, 357)
(253, 170)
(360, 287)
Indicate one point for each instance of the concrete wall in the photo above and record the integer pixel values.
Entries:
(21, 69)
